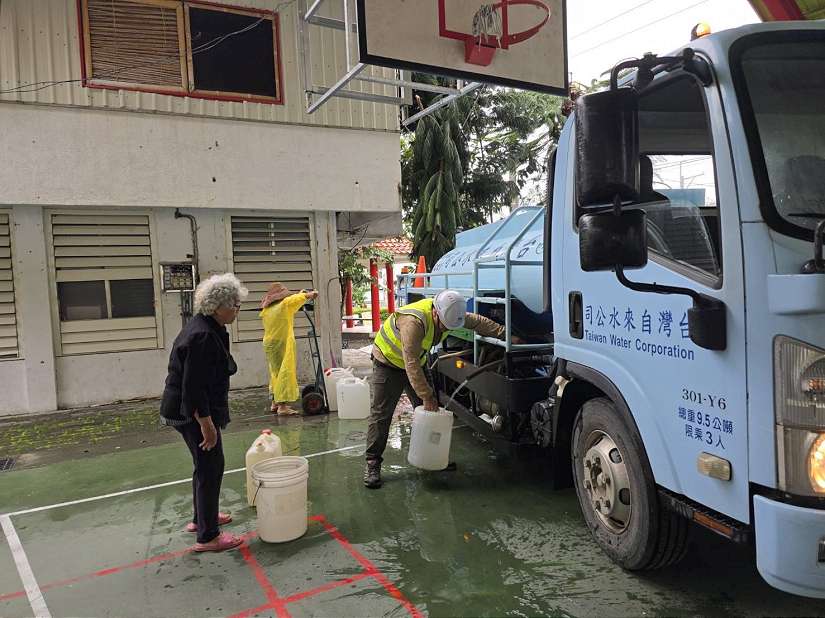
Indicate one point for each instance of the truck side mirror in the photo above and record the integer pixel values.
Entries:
(608, 240)
(607, 147)
(707, 323)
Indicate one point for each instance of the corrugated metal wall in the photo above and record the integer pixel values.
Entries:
(39, 45)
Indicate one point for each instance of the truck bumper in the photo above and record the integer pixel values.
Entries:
(790, 546)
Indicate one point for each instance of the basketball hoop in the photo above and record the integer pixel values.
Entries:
(490, 29)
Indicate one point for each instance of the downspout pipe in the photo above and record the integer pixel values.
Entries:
(193, 224)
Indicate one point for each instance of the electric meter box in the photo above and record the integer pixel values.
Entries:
(177, 276)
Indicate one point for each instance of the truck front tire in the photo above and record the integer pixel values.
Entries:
(617, 492)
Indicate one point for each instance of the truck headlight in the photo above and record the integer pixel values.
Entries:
(812, 383)
(816, 465)
(799, 387)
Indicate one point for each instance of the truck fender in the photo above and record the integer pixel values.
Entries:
(583, 383)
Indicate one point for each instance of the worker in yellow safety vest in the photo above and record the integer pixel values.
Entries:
(398, 358)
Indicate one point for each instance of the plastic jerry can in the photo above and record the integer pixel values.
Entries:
(432, 434)
(266, 446)
(331, 377)
(353, 398)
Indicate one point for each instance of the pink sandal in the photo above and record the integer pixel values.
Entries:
(222, 542)
(223, 519)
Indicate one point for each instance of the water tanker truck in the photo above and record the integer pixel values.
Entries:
(669, 304)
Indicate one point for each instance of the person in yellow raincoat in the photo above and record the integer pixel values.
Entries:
(278, 309)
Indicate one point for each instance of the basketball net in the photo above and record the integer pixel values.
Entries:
(487, 24)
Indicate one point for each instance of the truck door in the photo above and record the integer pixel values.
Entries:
(685, 400)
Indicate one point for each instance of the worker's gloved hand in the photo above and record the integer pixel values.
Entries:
(431, 405)
(517, 340)
(312, 294)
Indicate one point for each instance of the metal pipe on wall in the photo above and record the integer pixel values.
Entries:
(193, 224)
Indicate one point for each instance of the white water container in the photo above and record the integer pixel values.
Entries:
(432, 433)
(353, 398)
(266, 446)
(331, 377)
(281, 498)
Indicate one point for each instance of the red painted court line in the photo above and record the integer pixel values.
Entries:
(275, 602)
(371, 569)
(112, 570)
(300, 596)
(252, 611)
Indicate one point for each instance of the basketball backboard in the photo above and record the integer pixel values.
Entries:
(519, 43)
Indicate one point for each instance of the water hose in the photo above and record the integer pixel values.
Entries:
(474, 374)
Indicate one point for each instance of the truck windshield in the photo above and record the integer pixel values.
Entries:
(781, 87)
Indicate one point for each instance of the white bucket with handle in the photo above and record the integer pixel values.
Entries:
(281, 498)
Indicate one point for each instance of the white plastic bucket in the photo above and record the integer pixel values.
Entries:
(281, 498)
(432, 433)
(331, 377)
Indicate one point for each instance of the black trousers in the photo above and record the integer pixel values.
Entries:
(206, 480)
(387, 385)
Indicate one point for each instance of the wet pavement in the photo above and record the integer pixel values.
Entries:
(490, 539)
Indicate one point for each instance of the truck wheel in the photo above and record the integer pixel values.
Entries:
(617, 492)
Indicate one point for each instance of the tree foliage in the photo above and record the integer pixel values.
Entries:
(468, 161)
(439, 153)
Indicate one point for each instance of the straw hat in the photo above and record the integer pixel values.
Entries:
(276, 293)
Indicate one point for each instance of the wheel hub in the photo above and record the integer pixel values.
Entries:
(606, 481)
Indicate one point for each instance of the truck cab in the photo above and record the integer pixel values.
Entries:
(672, 361)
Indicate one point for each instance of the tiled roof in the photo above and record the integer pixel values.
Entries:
(396, 246)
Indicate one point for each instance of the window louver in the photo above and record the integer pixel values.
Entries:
(8, 314)
(109, 252)
(265, 250)
(136, 42)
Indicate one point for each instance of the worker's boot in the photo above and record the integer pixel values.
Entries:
(372, 475)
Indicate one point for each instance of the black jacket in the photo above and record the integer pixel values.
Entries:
(199, 368)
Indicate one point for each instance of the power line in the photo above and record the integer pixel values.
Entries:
(607, 21)
(642, 27)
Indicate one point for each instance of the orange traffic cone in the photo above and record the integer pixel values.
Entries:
(422, 268)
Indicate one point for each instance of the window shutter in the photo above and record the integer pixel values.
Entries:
(8, 314)
(98, 247)
(265, 250)
(136, 42)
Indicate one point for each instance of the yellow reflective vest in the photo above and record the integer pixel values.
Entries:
(388, 338)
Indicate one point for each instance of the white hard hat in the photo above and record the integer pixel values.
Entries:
(451, 309)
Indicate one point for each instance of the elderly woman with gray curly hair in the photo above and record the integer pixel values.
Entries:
(196, 401)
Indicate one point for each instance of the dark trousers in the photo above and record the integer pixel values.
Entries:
(206, 480)
(387, 385)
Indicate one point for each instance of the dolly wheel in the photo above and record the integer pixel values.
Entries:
(313, 403)
(309, 388)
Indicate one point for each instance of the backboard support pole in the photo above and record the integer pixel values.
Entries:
(335, 90)
(442, 103)
(317, 95)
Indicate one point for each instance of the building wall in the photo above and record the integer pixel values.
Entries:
(39, 381)
(60, 157)
(40, 44)
(69, 147)
(72, 156)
